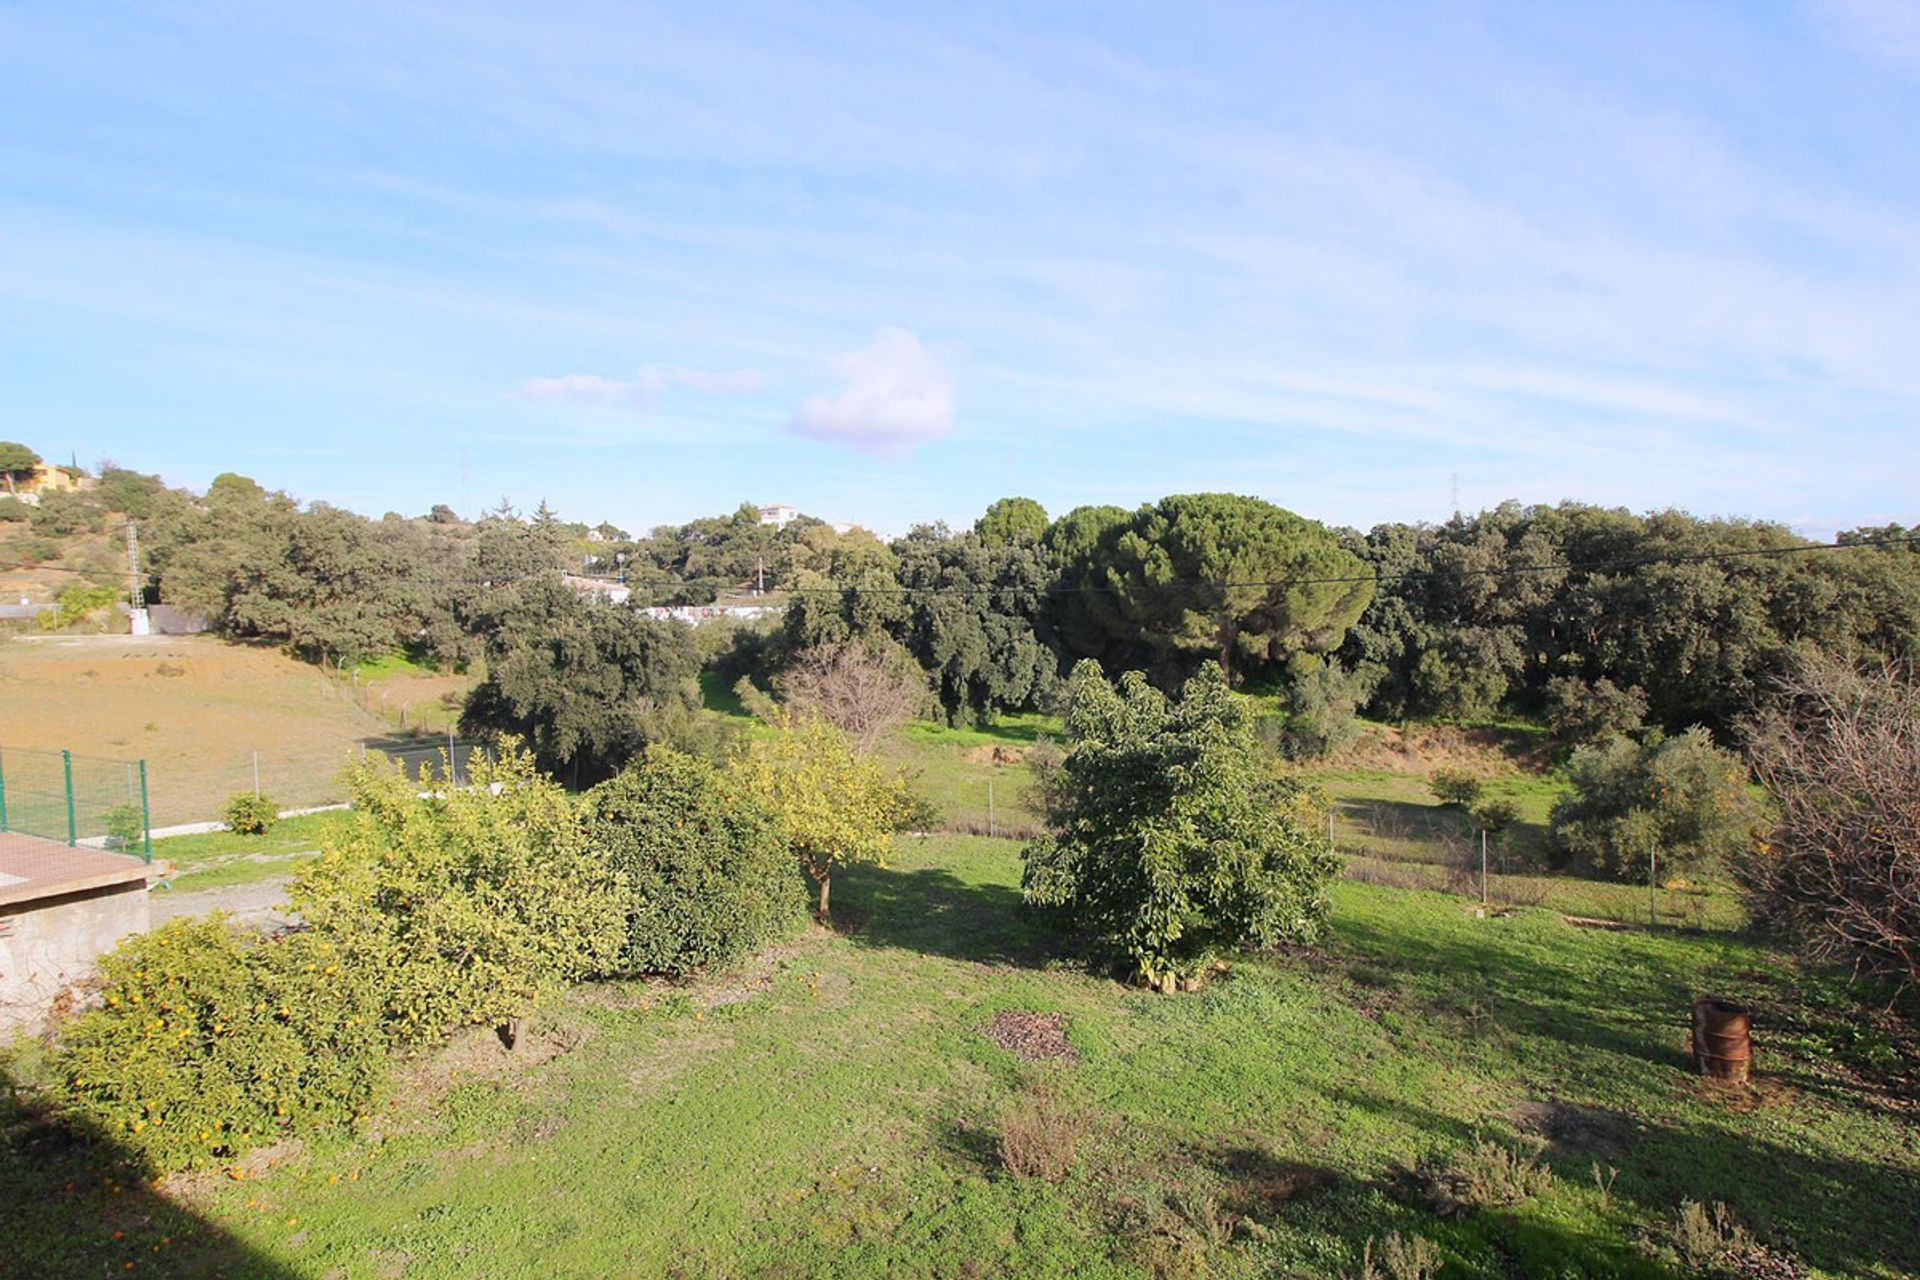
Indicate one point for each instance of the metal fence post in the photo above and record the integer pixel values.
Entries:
(73, 834)
(1653, 890)
(146, 817)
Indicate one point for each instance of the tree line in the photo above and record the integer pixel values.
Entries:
(1595, 619)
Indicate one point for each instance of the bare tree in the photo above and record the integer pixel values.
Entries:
(1840, 751)
(866, 691)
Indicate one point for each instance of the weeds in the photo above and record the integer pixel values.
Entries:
(1603, 1183)
(1039, 1135)
(1709, 1240)
(1401, 1258)
(1487, 1174)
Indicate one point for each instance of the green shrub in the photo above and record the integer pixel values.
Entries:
(13, 511)
(78, 602)
(1171, 841)
(707, 870)
(1682, 798)
(1455, 787)
(1495, 814)
(1322, 698)
(208, 1042)
(467, 904)
(126, 827)
(248, 814)
(1578, 712)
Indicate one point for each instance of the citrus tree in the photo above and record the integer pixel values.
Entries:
(834, 806)
(1171, 839)
(469, 903)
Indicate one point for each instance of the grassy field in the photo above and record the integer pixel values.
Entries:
(221, 858)
(835, 1110)
(197, 709)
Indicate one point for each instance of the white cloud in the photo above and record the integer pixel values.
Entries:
(639, 391)
(898, 394)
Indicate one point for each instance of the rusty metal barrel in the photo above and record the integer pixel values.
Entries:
(1722, 1039)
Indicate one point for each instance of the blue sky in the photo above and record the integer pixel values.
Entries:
(888, 263)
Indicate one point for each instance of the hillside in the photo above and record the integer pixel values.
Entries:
(197, 709)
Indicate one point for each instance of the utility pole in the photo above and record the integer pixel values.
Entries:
(138, 623)
(760, 576)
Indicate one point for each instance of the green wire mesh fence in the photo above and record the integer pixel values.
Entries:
(56, 795)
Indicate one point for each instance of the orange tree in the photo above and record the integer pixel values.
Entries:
(835, 807)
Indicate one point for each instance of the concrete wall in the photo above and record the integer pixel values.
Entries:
(48, 945)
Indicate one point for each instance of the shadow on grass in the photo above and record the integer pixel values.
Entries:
(1841, 1212)
(935, 912)
(76, 1205)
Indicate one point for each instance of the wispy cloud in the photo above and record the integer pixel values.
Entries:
(638, 391)
(898, 394)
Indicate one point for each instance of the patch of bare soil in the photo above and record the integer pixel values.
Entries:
(1032, 1037)
(195, 1186)
(1262, 1182)
(479, 1053)
(1743, 1097)
(1424, 748)
(1573, 1129)
(261, 904)
(994, 754)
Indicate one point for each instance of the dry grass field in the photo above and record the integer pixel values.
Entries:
(196, 709)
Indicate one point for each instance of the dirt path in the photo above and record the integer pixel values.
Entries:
(260, 903)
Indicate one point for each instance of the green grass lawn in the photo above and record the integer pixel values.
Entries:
(976, 775)
(834, 1110)
(221, 858)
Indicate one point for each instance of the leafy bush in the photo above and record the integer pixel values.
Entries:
(1841, 871)
(1322, 698)
(13, 511)
(1454, 787)
(1682, 797)
(1495, 814)
(1578, 712)
(1039, 1135)
(468, 904)
(126, 827)
(248, 814)
(77, 603)
(208, 1042)
(1484, 1174)
(1170, 841)
(708, 875)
